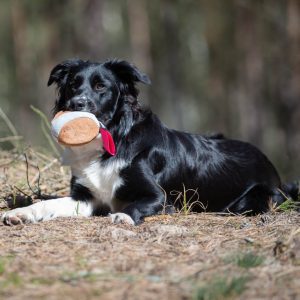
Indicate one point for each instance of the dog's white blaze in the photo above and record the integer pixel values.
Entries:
(102, 181)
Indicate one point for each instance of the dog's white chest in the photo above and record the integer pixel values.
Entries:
(101, 180)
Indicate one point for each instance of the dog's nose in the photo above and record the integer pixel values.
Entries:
(80, 103)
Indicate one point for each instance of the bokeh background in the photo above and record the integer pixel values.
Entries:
(216, 66)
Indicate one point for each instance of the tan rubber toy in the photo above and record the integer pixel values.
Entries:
(75, 128)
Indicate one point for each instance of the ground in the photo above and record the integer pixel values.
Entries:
(183, 256)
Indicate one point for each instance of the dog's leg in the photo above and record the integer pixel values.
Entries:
(121, 218)
(146, 197)
(135, 213)
(47, 210)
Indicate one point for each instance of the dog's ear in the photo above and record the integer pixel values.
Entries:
(60, 72)
(126, 72)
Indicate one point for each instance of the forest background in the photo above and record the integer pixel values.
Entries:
(216, 66)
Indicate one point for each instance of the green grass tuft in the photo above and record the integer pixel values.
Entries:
(8, 279)
(245, 260)
(222, 288)
(288, 205)
(42, 281)
(187, 199)
(2, 266)
(249, 260)
(74, 277)
(11, 279)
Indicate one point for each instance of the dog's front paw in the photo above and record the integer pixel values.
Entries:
(18, 216)
(121, 218)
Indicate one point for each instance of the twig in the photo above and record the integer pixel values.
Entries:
(288, 272)
(42, 116)
(38, 193)
(165, 201)
(45, 128)
(49, 139)
(41, 156)
(10, 125)
(21, 191)
(6, 163)
(10, 138)
(48, 166)
(62, 171)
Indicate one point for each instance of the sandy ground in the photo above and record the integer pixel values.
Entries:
(195, 256)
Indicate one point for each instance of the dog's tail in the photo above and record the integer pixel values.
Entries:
(256, 199)
(288, 192)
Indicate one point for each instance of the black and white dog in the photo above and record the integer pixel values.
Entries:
(153, 164)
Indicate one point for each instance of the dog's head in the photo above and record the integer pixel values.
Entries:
(100, 88)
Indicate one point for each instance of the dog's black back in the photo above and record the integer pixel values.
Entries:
(162, 167)
(215, 170)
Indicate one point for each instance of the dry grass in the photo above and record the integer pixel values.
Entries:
(194, 256)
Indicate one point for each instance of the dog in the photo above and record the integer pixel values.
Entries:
(154, 168)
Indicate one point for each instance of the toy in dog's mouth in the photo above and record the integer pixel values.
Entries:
(76, 128)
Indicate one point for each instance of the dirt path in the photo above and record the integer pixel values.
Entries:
(200, 256)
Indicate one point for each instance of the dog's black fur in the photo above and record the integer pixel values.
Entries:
(225, 175)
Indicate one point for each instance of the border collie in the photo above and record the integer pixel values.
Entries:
(154, 168)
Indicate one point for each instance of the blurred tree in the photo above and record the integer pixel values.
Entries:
(230, 66)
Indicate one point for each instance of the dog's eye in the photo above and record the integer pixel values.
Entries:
(99, 86)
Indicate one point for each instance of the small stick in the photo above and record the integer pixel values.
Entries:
(10, 125)
(45, 168)
(10, 138)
